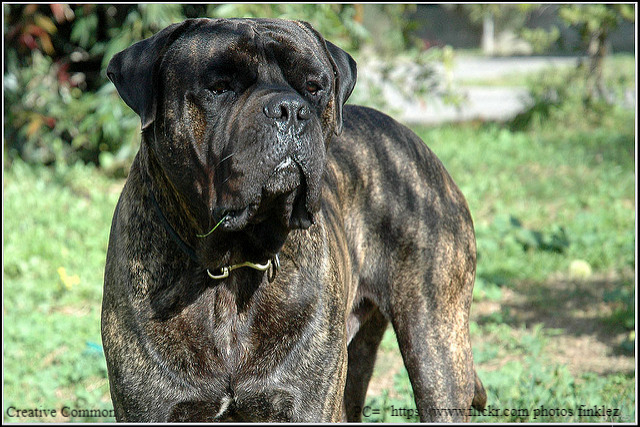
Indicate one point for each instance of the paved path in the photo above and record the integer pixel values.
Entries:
(476, 67)
(482, 102)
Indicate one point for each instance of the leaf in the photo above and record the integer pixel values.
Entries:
(34, 125)
(45, 23)
(84, 31)
(47, 46)
(62, 12)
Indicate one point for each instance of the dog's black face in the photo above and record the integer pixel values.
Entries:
(238, 114)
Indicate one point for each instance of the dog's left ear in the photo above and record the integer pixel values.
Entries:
(132, 70)
(345, 70)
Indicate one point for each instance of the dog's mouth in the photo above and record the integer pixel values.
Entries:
(282, 199)
(236, 219)
(286, 177)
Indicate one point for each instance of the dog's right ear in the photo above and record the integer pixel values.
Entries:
(133, 70)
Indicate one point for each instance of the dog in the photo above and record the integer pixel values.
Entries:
(267, 235)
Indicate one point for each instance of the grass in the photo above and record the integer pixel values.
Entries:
(542, 200)
(56, 225)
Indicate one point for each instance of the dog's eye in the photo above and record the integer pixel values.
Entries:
(312, 87)
(218, 88)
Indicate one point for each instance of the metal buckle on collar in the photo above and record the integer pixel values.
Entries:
(224, 271)
(275, 266)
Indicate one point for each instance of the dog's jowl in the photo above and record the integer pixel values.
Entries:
(268, 234)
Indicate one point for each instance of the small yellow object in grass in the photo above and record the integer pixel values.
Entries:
(579, 269)
(68, 281)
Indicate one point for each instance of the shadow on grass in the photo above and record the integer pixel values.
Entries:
(577, 308)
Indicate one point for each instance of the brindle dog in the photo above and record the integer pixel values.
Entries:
(267, 235)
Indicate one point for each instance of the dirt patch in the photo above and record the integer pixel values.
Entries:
(584, 339)
(388, 364)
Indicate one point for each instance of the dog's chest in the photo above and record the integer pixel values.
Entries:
(238, 356)
(228, 326)
(226, 334)
(214, 335)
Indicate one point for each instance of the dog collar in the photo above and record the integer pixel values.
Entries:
(223, 272)
(273, 267)
(184, 246)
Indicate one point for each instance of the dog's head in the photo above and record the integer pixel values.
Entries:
(238, 114)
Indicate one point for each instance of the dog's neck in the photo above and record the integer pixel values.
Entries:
(172, 204)
(216, 252)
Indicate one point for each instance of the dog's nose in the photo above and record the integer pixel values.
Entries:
(289, 109)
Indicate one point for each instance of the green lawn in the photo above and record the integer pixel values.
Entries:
(555, 217)
(56, 227)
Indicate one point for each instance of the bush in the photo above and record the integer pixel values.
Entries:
(59, 106)
(50, 121)
(562, 96)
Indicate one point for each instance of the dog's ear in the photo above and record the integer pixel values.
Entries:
(345, 70)
(132, 71)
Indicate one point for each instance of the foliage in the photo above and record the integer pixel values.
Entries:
(415, 75)
(563, 96)
(539, 38)
(595, 23)
(50, 120)
(506, 16)
(59, 105)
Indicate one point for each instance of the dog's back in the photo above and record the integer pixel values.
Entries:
(410, 236)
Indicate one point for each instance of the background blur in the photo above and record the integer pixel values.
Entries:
(531, 108)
